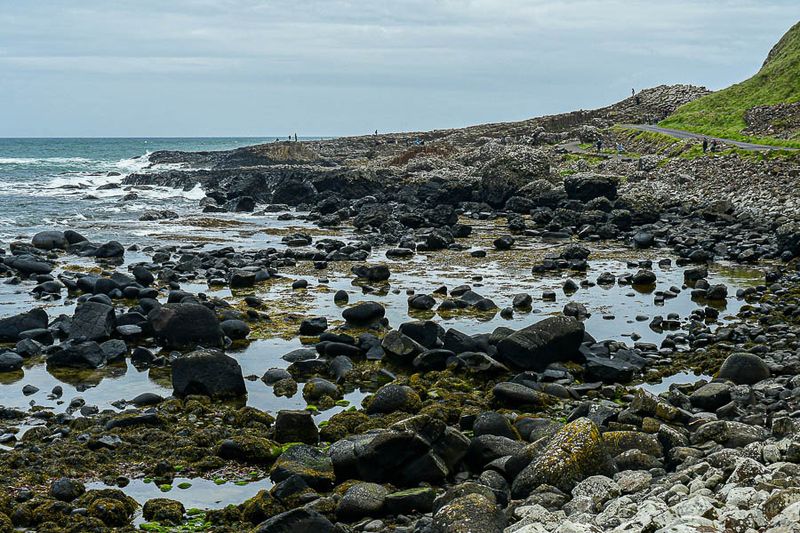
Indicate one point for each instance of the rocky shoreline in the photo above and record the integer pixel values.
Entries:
(539, 427)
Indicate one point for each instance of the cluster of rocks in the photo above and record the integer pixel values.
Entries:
(779, 120)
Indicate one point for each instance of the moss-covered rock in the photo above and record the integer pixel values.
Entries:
(341, 425)
(310, 463)
(470, 513)
(51, 511)
(249, 449)
(5, 524)
(391, 398)
(111, 506)
(260, 507)
(576, 452)
(230, 514)
(164, 511)
(112, 512)
(618, 442)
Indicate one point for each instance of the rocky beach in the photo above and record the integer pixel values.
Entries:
(501, 328)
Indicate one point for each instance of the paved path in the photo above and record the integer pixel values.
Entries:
(680, 134)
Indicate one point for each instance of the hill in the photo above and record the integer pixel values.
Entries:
(764, 108)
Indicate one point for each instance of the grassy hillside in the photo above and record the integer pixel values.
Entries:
(722, 113)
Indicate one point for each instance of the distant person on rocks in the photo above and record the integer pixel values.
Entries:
(633, 92)
(376, 133)
(295, 137)
(705, 145)
(713, 145)
(620, 149)
(598, 145)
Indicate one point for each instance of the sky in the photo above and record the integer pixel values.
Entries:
(100, 68)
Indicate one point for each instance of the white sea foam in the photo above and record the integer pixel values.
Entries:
(42, 160)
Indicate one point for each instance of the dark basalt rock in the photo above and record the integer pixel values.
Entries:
(364, 314)
(744, 369)
(92, 321)
(186, 325)
(296, 426)
(207, 372)
(586, 187)
(296, 520)
(78, 355)
(536, 346)
(50, 240)
(13, 326)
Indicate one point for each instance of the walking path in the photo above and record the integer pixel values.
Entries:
(680, 134)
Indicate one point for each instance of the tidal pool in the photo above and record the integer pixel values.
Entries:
(679, 378)
(203, 494)
(618, 312)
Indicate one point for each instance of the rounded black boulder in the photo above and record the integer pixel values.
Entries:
(66, 489)
(235, 329)
(391, 398)
(10, 362)
(744, 369)
(299, 519)
(364, 313)
(50, 240)
(186, 325)
(209, 373)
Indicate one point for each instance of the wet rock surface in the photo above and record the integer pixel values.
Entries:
(467, 330)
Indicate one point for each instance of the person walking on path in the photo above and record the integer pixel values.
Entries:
(633, 92)
(705, 145)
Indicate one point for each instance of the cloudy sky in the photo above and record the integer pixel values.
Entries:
(334, 67)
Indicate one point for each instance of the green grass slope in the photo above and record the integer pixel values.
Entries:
(721, 114)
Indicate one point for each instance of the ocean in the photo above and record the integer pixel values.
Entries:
(53, 183)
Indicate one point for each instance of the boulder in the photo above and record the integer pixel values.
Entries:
(109, 250)
(360, 500)
(744, 369)
(180, 325)
(92, 321)
(50, 240)
(10, 362)
(372, 272)
(711, 397)
(240, 279)
(235, 329)
(536, 346)
(77, 354)
(585, 187)
(313, 326)
(313, 465)
(509, 170)
(295, 426)
(296, 520)
(28, 264)
(11, 327)
(364, 313)
(164, 511)
(391, 398)
(472, 513)
(66, 489)
(207, 372)
(576, 452)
